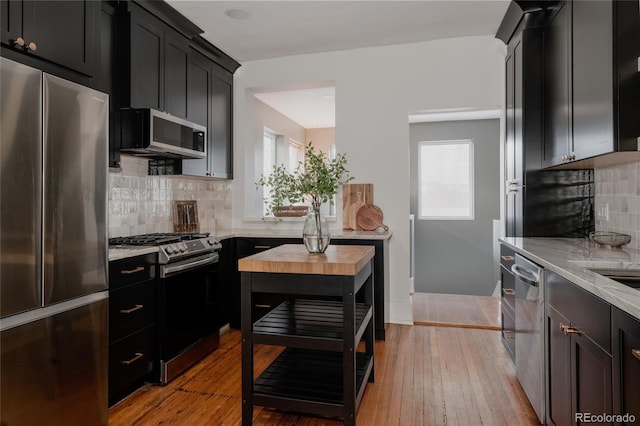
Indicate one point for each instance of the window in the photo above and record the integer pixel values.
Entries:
(296, 155)
(446, 180)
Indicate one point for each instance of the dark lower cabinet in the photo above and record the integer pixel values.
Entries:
(579, 353)
(626, 366)
(133, 334)
(60, 32)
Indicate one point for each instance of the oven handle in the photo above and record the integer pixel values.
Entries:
(168, 270)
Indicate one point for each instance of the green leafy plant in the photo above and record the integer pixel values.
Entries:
(315, 180)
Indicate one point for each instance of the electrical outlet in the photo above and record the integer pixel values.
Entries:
(602, 212)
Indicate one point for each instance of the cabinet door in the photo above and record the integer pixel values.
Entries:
(146, 63)
(63, 31)
(176, 65)
(591, 371)
(221, 146)
(510, 158)
(592, 79)
(557, 87)
(10, 20)
(199, 107)
(626, 364)
(559, 373)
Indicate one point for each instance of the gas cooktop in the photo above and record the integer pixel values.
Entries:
(157, 239)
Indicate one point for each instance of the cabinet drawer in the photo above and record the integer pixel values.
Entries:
(131, 308)
(130, 360)
(508, 288)
(131, 270)
(585, 311)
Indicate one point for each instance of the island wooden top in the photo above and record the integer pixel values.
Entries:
(295, 259)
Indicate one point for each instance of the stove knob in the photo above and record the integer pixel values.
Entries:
(169, 249)
(211, 241)
(183, 247)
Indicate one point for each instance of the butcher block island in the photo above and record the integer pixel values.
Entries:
(327, 310)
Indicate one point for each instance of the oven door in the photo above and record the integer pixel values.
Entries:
(188, 322)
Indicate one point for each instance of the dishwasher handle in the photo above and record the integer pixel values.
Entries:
(526, 275)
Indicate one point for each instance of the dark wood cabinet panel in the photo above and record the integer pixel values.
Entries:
(176, 64)
(579, 352)
(198, 83)
(221, 135)
(626, 364)
(592, 391)
(210, 93)
(133, 353)
(557, 87)
(146, 70)
(11, 20)
(592, 79)
(60, 32)
(591, 108)
(559, 371)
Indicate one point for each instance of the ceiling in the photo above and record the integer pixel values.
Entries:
(293, 27)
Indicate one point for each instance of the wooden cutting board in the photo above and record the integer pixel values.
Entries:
(369, 218)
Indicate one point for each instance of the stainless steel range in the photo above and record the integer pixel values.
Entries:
(188, 325)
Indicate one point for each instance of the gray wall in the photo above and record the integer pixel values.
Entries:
(456, 257)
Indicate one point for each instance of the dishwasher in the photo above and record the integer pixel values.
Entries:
(530, 331)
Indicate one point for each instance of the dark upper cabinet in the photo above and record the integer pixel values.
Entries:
(557, 87)
(591, 82)
(626, 364)
(158, 60)
(210, 102)
(61, 32)
(176, 66)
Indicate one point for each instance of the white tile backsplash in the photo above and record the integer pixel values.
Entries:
(618, 193)
(140, 204)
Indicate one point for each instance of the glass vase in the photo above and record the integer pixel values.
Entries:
(315, 232)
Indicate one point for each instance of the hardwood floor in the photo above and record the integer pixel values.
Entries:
(424, 376)
(455, 310)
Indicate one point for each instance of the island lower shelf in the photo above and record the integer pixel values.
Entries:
(312, 324)
(285, 383)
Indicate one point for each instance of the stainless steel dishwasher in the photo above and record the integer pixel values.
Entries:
(530, 334)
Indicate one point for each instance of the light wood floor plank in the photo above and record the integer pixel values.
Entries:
(455, 310)
(424, 376)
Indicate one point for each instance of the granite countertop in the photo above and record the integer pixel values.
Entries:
(123, 252)
(572, 258)
(222, 234)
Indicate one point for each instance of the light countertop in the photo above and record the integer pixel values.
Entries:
(572, 258)
(123, 252)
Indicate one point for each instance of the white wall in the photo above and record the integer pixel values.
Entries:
(376, 88)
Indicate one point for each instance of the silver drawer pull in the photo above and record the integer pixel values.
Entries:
(635, 353)
(128, 311)
(134, 359)
(132, 271)
(508, 291)
(508, 258)
(261, 247)
(262, 306)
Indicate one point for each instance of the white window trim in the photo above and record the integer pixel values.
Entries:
(469, 142)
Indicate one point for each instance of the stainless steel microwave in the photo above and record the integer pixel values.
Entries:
(151, 133)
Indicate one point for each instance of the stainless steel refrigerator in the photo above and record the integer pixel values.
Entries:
(53, 250)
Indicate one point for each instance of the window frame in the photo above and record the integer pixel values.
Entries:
(468, 142)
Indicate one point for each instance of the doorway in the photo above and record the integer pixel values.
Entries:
(453, 226)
